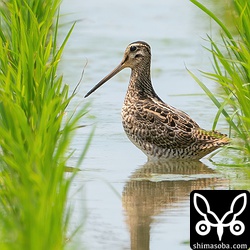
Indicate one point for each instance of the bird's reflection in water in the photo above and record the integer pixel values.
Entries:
(155, 187)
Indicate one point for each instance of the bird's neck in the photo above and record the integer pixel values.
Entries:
(140, 85)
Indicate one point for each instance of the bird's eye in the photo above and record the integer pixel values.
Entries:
(132, 48)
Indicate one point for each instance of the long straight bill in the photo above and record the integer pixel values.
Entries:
(105, 79)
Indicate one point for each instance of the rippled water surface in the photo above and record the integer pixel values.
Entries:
(124, 202)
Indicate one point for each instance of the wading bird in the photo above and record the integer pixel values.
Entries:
(158, 129)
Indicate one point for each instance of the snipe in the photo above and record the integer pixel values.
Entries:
(158, 129)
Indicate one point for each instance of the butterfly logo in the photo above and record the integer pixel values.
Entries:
(210, 219)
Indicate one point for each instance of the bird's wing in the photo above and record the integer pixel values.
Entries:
(165, 126)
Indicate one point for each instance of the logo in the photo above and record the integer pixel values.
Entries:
(220, 219)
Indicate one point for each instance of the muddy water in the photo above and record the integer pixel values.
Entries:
(123, 201)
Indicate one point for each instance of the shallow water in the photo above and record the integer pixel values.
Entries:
(124, 202)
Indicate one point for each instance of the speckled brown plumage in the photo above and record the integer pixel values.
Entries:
(159, 130)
